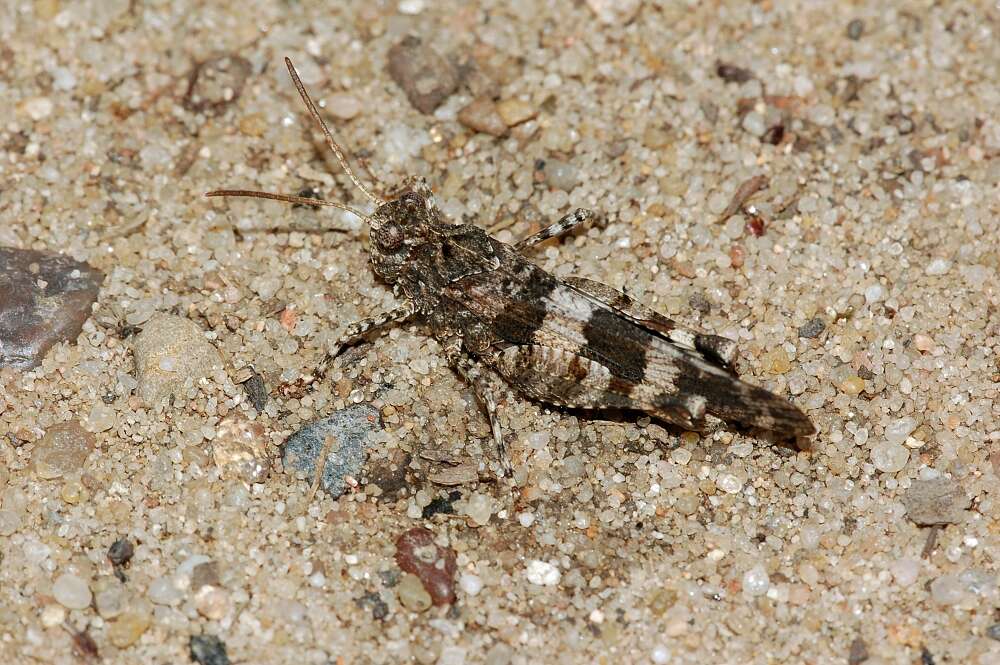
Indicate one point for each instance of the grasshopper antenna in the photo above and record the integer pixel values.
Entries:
(326, 133)
(334, 146)
(301, 200)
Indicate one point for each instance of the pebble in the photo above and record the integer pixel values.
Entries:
(479, 507)
(452, 655)
(62, 451)
(614, 12)
(121, 552)
(38, 108)
(45, 299)
(853, 385)
(10, 522)
(561, 175)
(100, 419)
(470, 583)
(72, 592)
(514, 111)
(481, 115)
(542, 573)
(898, 430)
(905, 571)
(217, 83)
(125, 630)
(208, 650)
(169, 351)
(936, 501)
(240, 450)
(349, 428)
(660, 655)
(938, 267)
(343, 106)
(948, 590)
(756, 581)
(729, 483)
(923, 343)
(425, 76)
(858, 653)
(889, 457)
(110, 600)
(993, 632)
(855, 29)
(53, 615)
(212, 602)
(412, 594)
(164, 591)
(417, 553)
(812, 328)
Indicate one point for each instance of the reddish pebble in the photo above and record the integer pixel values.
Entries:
(736, 256)
(755, 225)
(417, 553)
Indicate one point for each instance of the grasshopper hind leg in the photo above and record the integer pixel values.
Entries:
(487, 388)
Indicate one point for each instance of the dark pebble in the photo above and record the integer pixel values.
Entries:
(700, 303)
(374, 602)
(215, 84)
(858, 653)
(208, 650)
(389, 474)
(993, 632)
(121, 552)
(441, 505)
(417, 553)
(44, 299)
(855, 29)
(731, 73)
(346, 457)
(425, 76)
(256, 391)
(812, 328)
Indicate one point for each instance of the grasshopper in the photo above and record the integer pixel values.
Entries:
(570, 342)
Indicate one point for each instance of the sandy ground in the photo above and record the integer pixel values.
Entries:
(861, 283)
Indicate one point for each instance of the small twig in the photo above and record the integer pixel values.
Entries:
(320, 467)
(932, 534)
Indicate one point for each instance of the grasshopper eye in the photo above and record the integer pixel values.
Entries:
(389, 237)
(411, 200)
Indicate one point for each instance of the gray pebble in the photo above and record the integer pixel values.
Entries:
(936, 501)
(44, 299)
(855, 29)
(350, 428)
(812, 328)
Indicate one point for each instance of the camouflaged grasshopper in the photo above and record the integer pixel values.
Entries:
(572, 342)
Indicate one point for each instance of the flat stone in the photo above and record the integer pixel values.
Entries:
(425, 76)
(170, 350)
(936, 501)
(44, 299)
(349, 429)
(62, 451)
(481, 115)
(514, 111)
(417, 553)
